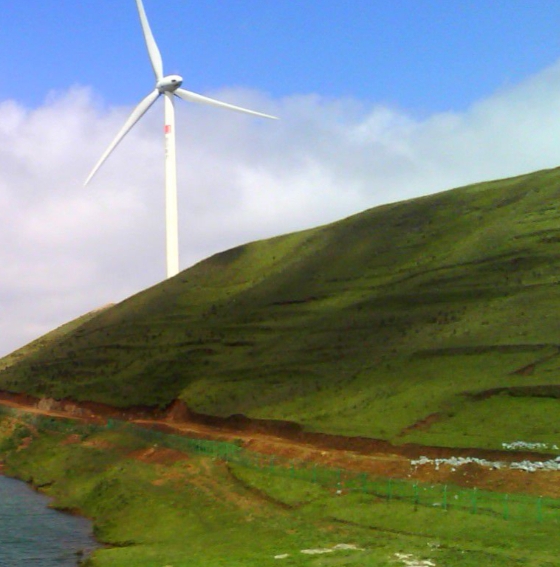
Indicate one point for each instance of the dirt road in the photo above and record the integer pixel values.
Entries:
(376, 457)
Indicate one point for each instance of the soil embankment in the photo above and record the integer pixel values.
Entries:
(288, 440)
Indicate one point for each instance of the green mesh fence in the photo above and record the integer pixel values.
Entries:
(217, 449)
(444, 497)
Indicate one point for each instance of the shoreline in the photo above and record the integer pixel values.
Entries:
(82, 553)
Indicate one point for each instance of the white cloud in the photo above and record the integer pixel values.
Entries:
(66, 249)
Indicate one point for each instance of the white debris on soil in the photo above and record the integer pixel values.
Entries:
(410, 561)
(532, 466)
(282, 556)
(337, 547)
(347, 546)
(528, 466)
(529, 446)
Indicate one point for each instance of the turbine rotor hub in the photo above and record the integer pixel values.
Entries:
(169, 84)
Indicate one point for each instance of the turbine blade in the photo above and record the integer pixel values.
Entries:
(137, 113)
(153, 50)
(193, 97)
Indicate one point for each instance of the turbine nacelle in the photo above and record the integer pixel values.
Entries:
(169, 84)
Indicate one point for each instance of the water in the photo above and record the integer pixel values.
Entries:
(33, 535)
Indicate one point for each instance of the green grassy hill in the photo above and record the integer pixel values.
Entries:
(46, 340)
(441, 305)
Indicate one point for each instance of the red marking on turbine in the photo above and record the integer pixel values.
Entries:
(167, 129)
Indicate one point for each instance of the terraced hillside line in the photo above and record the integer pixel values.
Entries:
(529, 369)
(374, 457)
(424, 423)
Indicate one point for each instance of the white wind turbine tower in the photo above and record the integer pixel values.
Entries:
(169, 86)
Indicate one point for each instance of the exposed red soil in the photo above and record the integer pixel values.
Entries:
(288, 440)
(159, 455)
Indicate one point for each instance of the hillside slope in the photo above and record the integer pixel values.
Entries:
(429, 320)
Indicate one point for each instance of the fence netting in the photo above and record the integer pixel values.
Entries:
(438, 496)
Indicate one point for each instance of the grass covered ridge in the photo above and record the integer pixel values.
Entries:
(366, 326)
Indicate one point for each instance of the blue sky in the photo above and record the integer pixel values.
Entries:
(419, 55)
(379, 100)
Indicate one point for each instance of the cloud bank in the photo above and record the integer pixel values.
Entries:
(66, 249)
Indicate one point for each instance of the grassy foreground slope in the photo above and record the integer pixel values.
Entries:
(156, 506)
(363, 327)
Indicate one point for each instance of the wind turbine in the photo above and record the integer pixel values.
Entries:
(169, 86)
